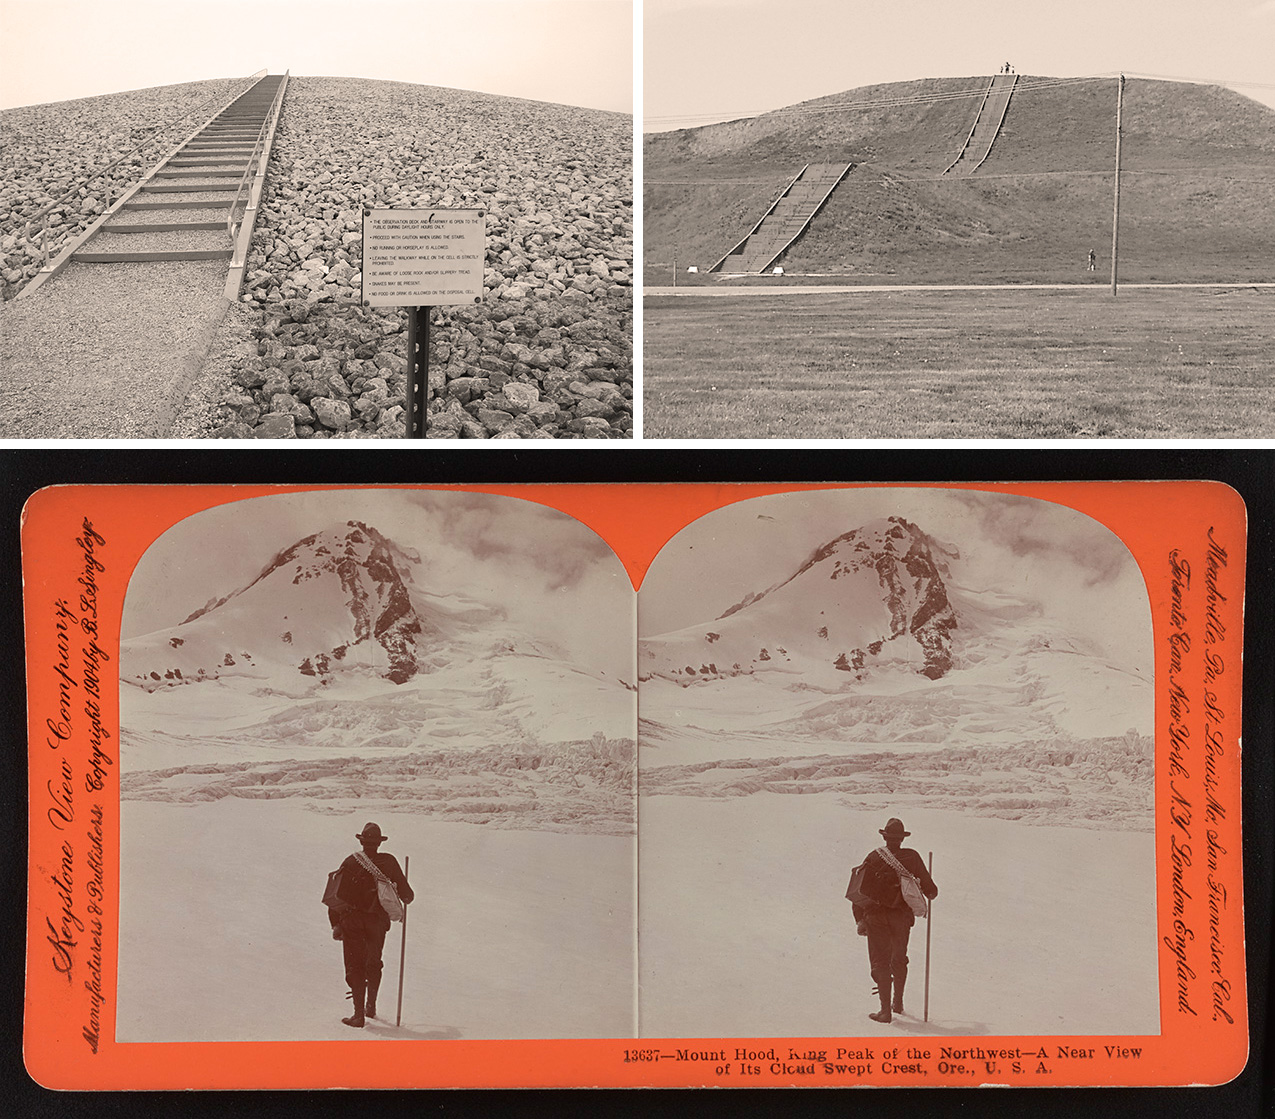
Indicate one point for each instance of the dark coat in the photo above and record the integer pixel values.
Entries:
(359, 906)
(881, 882)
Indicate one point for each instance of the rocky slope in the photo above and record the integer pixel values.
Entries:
(547, 354)
(86, 146)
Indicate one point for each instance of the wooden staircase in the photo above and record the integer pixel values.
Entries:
(209, 172)
(786, 220)
(987, 125)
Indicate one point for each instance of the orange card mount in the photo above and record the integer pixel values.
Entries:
(1042, 681)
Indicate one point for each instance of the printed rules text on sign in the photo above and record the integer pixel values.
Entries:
(423, 258)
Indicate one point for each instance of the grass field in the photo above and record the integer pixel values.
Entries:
(1044, 363)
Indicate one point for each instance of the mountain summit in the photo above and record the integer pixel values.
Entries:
(337, 602)
(873, 595)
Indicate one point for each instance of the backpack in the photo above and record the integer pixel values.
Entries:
(331, 889)
(854, 891)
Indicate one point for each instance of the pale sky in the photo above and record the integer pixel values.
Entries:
(712, 60)
(571, 52)
(1070, 564)
(556, 579)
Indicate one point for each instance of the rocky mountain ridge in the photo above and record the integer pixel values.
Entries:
(875, 593)
(335, 599)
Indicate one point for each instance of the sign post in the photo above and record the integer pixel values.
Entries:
(417, 369)
(421, 259)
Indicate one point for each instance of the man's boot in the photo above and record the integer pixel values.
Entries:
(897, 1004)
(883, 1015)
(356, 1019)
(373, 985)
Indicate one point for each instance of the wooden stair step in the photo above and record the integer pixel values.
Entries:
(201, 172)
(166, 254)
(191, 187)
(167, 204)
(163, 227)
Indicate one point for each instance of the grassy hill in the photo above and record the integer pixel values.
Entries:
(1196, 193)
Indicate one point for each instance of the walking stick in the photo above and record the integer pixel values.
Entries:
(402, 955)
(929, 925)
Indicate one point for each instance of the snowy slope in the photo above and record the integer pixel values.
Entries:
(873, 595)
(745, 931)
(335, 605)
(223, 936)
(336, 646)
(875, 640)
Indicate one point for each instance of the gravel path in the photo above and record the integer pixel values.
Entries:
(157, 217)
(106, 350)
(106, 242)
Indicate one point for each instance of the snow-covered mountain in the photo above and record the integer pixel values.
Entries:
(875, 639)
(338, 603)
(338, 643)
(872, 595)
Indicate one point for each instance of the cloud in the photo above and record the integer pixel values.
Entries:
(1031, 529)
(524, 535)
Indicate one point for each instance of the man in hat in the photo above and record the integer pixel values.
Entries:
(360, 922)
(886, 919)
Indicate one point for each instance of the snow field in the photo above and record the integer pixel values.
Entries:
(504, 699)
(745, 930)
(223, 936)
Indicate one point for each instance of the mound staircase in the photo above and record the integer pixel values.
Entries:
(786, 220)
(987, 125)
(219, 167)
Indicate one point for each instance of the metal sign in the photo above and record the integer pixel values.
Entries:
(423, 258)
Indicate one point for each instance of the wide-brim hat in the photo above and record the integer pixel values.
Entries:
(371, 832)
(894, 826)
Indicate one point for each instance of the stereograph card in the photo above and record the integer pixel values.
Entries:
(619, 748)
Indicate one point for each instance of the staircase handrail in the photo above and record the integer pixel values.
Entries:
(241, 237)
(809, 217)
(986, 93)
(778, 198)
(231, 223)
(997, 131)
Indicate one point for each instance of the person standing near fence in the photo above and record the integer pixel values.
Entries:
(360, 921)
(886, 917)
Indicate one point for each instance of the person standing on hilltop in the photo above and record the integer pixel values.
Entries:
(886, 917)
(360, 921)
